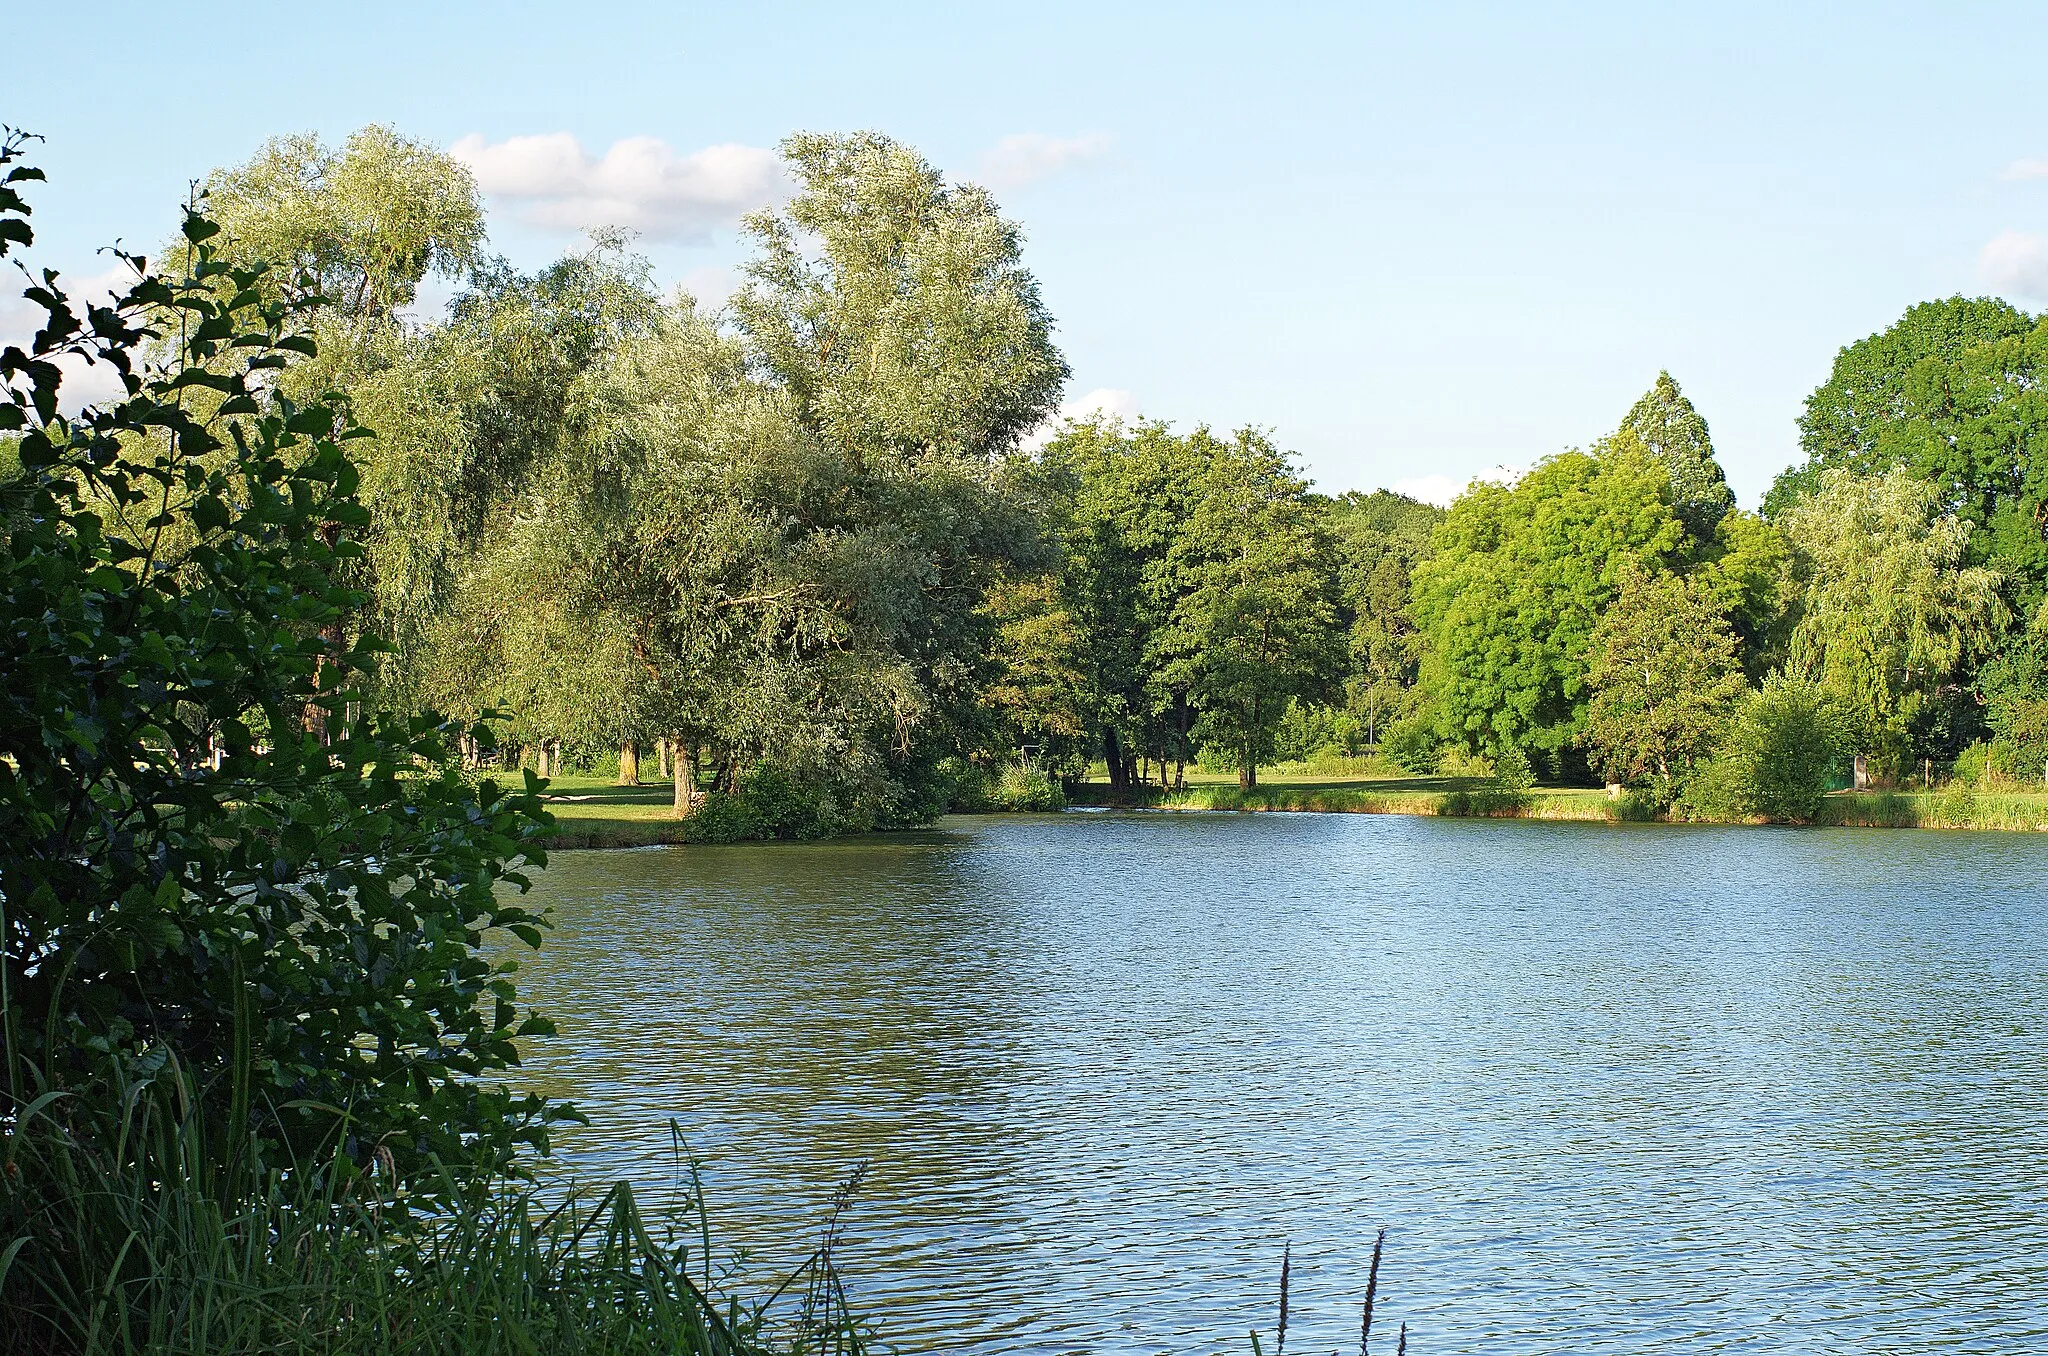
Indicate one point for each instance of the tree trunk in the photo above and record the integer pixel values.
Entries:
(1113, 757)
(683, 762)
(661, 758)
(629, 764)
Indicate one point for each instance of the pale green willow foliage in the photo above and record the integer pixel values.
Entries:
(769, 532)
(1891, 611)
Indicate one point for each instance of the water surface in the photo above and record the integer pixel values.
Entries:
(1611, 1089)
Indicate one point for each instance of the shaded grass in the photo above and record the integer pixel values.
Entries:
(593, 812)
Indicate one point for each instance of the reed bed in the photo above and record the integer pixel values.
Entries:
(134, 1243)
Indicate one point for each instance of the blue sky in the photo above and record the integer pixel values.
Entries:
(1414, 242)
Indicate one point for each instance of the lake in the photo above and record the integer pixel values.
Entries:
(1609, 1088)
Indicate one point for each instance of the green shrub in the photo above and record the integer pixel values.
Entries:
(771, 802)
(1781, 751)
(1512, 771)
(2020, 750)
(209, 856)
(1972, 763)
(1021, 788)
(1412, 745)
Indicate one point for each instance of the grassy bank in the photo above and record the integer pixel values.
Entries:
(1955, 807)
(594, 812)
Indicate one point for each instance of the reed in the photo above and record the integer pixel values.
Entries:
(121, 1244)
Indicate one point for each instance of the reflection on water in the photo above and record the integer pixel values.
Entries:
(1613, 1089)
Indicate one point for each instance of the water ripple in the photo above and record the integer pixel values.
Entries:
(1612, 1089)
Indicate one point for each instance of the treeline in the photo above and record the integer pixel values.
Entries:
(795, 547)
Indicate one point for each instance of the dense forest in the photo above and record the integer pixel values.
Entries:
(818, 551)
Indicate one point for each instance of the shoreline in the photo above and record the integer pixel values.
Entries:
(618, 818)
(1951, 808)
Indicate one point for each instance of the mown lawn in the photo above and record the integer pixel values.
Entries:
(593, 811)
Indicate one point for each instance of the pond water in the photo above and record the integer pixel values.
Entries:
(1610, 1089)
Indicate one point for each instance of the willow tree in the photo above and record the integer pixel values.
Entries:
(1892, 612)
(891, 314)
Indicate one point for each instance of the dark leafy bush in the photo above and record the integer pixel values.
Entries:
(210, 859)
(771, 802)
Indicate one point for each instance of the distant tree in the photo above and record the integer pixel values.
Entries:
(1956, 392)
(1665, 674)
(1127, 492)
(1869, 392)
(1748, 571)
(1674, 433)
(1516, 586)
(1259, 625)
(1891, 613)
(1379, 539)
(1041, 681)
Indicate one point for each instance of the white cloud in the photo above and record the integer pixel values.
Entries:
(1106, 402)
(84, 384)
(1441, 489)
(1026, 157)
(2026, 169)
(641, 183)
(2016, 262)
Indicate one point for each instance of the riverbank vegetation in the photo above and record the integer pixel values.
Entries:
(256, 1040)
(818, 557)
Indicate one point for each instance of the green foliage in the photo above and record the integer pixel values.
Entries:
(1201, 575)
(1379, 539)
(1782, 748)
(210, 860)
(132, 1253)
(773, 802)
(1673, 432)
(1257, 624)
(1953, 393)
(1308, 729)
(1665, 677)
(1023, 788)
(1891, 613)
(1412, 744)
(1509, 602)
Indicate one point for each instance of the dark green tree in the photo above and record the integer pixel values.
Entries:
(1675, 434)
(210, 869)
(1665, 675)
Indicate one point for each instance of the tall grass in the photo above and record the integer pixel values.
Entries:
(131, 1243)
